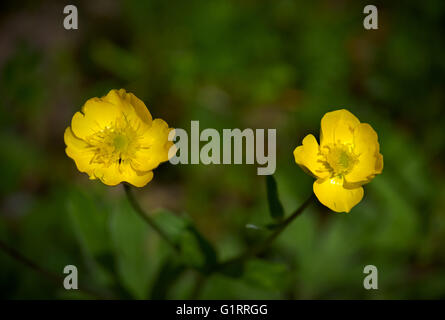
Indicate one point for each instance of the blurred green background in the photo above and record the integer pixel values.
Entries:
(248, 64)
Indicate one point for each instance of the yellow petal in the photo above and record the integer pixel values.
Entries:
(130, 104)
(83, 127)
(365, 139)
(379, 164)
(308, 157)
(337, 126)
(154, 147)
(116, 174)
(157, 133)
(333, 195)
(369, 161)
(139, 106)
(78, 150)
(96, 115)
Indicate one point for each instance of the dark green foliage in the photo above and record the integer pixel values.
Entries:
(275, 207)
(229, 64)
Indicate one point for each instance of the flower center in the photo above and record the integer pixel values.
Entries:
(340, 159)
(120, 142)
(114, 144)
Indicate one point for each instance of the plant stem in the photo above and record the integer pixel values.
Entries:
(198, 286)
(135, 204)
(251, 252)
(57, 279)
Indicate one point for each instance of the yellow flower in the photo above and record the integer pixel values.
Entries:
(347, 158)
(115, 139)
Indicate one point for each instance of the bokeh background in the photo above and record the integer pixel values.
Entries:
(248, 64)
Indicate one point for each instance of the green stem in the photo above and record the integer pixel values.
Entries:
(135, 204)
(198, 286)
(250, 252)
(256, 250)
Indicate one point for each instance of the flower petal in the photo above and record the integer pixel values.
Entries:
(370, 161)
(157, 133)
(337, 126)
(155, 147)
(116, 174)
(81, 126)
(379, 164)
(129, 103)
(96, 115)
(333, 195)
(365, 139)
(77, 150)
(308, 157)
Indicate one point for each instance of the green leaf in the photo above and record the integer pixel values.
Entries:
(196, 251)
(89, 222)
(265, 274)
(172, 224)
(234, 269)
(137, 250)
(169, 272)
(275, 207)
(259, 273)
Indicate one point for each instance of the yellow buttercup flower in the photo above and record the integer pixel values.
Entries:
(115, 139)
(347, 158)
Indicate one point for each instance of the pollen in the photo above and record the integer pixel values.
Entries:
(340, 159)
(114, 144)
(120, 142)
